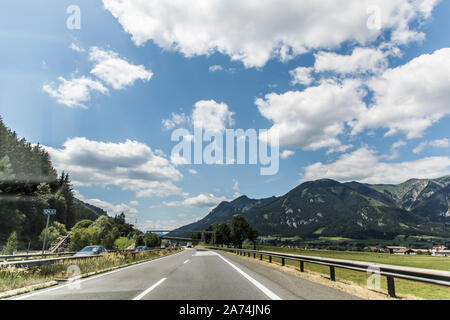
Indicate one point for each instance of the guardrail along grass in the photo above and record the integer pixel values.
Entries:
(14, 278)
(402, 287)
(25, 257)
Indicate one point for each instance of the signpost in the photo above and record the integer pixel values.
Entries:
(48, 213)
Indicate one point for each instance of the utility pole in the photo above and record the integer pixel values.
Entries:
(48, 213)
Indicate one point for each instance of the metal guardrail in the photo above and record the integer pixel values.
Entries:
(391, 272)
(34, 255)
(41, 262)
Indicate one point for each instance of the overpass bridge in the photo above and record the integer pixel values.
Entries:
(177, 238)
(203, 232)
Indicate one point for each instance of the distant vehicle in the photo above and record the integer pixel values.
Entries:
(141, 248)
(189, 245)
(163, 246)
(90, 251)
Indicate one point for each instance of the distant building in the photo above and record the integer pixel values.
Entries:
(440, 248)
(393, 249)
(417, 251)
(441, 253)
(403, 251)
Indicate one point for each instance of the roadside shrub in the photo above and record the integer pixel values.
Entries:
(123, 242)
(84, 237)
(11, 245)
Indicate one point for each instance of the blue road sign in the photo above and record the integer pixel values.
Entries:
(49, 211)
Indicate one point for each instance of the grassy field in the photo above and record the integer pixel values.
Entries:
(403, 287)
(419, 242)
(14, 278)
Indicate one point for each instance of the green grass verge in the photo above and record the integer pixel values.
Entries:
(15, 278)
(403, 287)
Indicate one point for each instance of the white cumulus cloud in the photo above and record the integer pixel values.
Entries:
(207, 114)
(76, 47)
(74, 92)
(215, 68)
(211, 115)
(286, 154)
(363, 165)
(130, 165)
(301, 75)
(175, 120)
(255, 31)
(115, 71)
(315, 117)
(439, 143)
(411, 97)
(362, 60)
(203, 200)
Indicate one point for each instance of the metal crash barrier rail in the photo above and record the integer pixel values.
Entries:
(391, 272)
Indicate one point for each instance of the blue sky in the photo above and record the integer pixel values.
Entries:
(368, 104)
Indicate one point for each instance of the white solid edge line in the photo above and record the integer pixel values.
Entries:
(24, 296)
(257, 284)
(143, 294)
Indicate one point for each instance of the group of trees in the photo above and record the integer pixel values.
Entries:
(148, 239)
(239, 232)
(29, 184)
(112, 233)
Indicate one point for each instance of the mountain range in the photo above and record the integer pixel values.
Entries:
(354, 210)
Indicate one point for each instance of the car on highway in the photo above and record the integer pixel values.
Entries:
(90, 251)
(189, 245)
(141, 248)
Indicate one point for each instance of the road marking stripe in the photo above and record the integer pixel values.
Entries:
(186, 261)
(257, 284)
(94, 277)
(143, 294)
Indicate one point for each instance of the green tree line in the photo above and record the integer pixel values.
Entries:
(29, 184)
(224, 235)
(112, 233)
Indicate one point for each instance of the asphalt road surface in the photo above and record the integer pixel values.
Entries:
(193, 274)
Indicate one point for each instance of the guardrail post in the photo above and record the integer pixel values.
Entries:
(249, 254)
(270, 259)
(332, 274)
(391, 286)
(261, 257)
(302, 266)
(254, 255)
(283, 263)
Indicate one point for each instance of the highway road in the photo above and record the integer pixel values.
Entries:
(194, 274)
